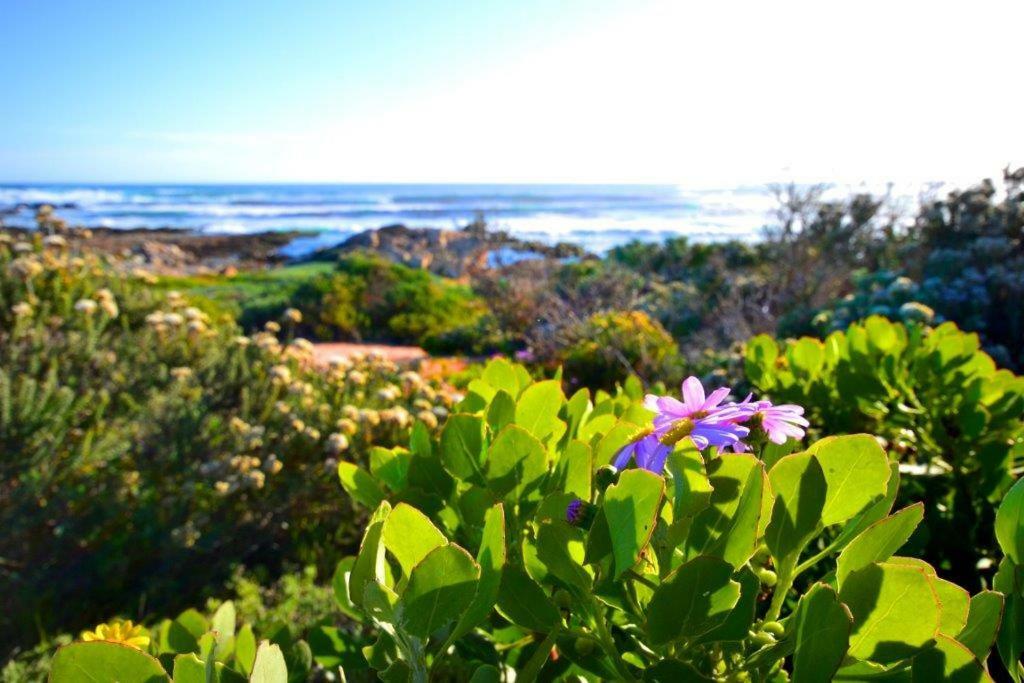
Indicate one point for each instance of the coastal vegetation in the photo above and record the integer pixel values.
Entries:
(189, 492)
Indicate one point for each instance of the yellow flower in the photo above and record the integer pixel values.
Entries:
(118, 631)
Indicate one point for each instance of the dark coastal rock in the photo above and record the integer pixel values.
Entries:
(451, 253)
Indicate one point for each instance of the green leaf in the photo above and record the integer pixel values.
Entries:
(729, 527)
(485, 674)
(576, 469)
(800, 489)
(501, 375)
(391, 465)
(692, 600)
(501, 411)
(410, 536)
(538, 407)
(612, 442)
(269, 666)
(369, 566)
(949, 661)
(820, 630)
(462, 447)
(895, 612)
(333, 647)
(523, 602)
(439, 589)
(1010, 523)
(358, 483)
(857, 472)
(955, 603)
(223, 623)
(245, 649)
(631, 508)
(339, 582)
(560, 548)
(1011, 632)
(984, 616)
(873, 512)
(691, 488)
(100, 661)
(879, 541)
(190, 669)
(491, 558)
(515, 461)
(736, 626)
(576, 409)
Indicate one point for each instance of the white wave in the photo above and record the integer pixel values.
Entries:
(80, 196)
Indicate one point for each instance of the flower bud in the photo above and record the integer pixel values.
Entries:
(605, 477)
(580, 513)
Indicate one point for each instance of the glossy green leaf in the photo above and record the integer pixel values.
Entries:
(729, 527)
(1010, 523)
(410, 536)
(576, 469)
(984, 616)
(391, 466)
(269, 666)
(339, 582)
(631, 509)
(358, 483)
(501, 412)
(736, 626)
(857, 472)
(491, 558)
(799, 486)
(955, 603)
(245, 649)
(691, 488)
(949, 661)
(190, 669)
(820, 630)
(612, 441)
(1010, 640)
(895, 611)
(561, 549)
(879, 541)
(515, 461)
(692, 600)
(369, 564)
(462, 447)
(538, 406)
(501, 375)
(523, 602)
(104, 662)
(439, 589)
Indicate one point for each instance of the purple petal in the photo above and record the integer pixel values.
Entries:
(693, 394)
(716, 397)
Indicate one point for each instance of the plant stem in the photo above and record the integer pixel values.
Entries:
(782, 586)
(539, 658)
(605, 638)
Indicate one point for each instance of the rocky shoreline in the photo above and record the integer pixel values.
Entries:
(177, 251)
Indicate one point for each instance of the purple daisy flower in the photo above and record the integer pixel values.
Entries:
(780, 422)
(713, 424)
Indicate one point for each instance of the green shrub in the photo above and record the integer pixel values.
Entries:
(371, 299)
(938, 403)
(145, 447)
(609, 347)
(508, 545)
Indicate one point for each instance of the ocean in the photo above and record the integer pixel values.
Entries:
(596, 217)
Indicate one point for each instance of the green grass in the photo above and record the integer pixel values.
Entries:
(248, 290)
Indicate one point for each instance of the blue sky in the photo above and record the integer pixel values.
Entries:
(530, 90)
